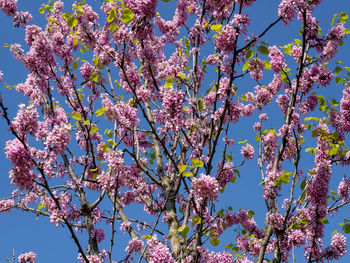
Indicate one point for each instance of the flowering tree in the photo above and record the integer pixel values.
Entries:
(120, 114)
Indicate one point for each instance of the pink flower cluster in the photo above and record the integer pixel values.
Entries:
(26, 121)
(99, 234)
(248, 151)
(277, 59)
(20, 157)
(212, 257)
(224, 173)
(28, 257)
(337, 248)
(256, 67)
(158, 252)
(6, 205)
(225, 40)
(205, 187)
(344, 189)
(242, 218)
(287, 10)
(135, 245)
(171, 114)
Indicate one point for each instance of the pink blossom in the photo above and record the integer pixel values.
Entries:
(277, 59)
(99, 234)
(158, 252)
(6, 205)
(135, 245)
(256, 67)
(28, 257)
(337, 248)
(248, 151)
(344, 189)
(225, 40)
(9, 7)
(205, 187)
(276, 220)
(26, 121)
(287, 10)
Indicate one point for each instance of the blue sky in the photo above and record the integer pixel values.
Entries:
(24, 232)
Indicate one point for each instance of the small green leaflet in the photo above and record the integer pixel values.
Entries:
(127, 15)
(100, 111)
(346, 228)
(169, 83)
(197, 163)
(263, 50)
(184, 229)
(214, 241)
(76, 116)
(111, 15)
(249, 54)
(196, 219)
(94, 129)
(72, 21)
(216, 28)
(182, 168)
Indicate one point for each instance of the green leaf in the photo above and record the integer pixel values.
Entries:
(86, 122)
(75, 65)
(104, 148)
(284, 178)
(100, 112)
(334, 150)
(334, 192)
(112, 27)
(346, 228)
(245, 66)
(337, 79)
(333, 18)
(187, 174)
(72, 21)
(197, 163)
(40, 206)
(347, 31)
(75, 41)
(184, 229)
(216, 28)
(94, 129)
(249, 54)
(196, 219)
(267, 65)
(251, 213)
(83, 49)
(214, 241)
(169, 82)
(263, 50)
(41, 10)
(314, 133)
(76, 116)
(182, 168)
(94, 77)
(343, 17)
(111, 15)
(298, 42)
(242, 142)
(303, 185)
(146, 237)
(287, 49)
(127, 15)
(325, 221)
